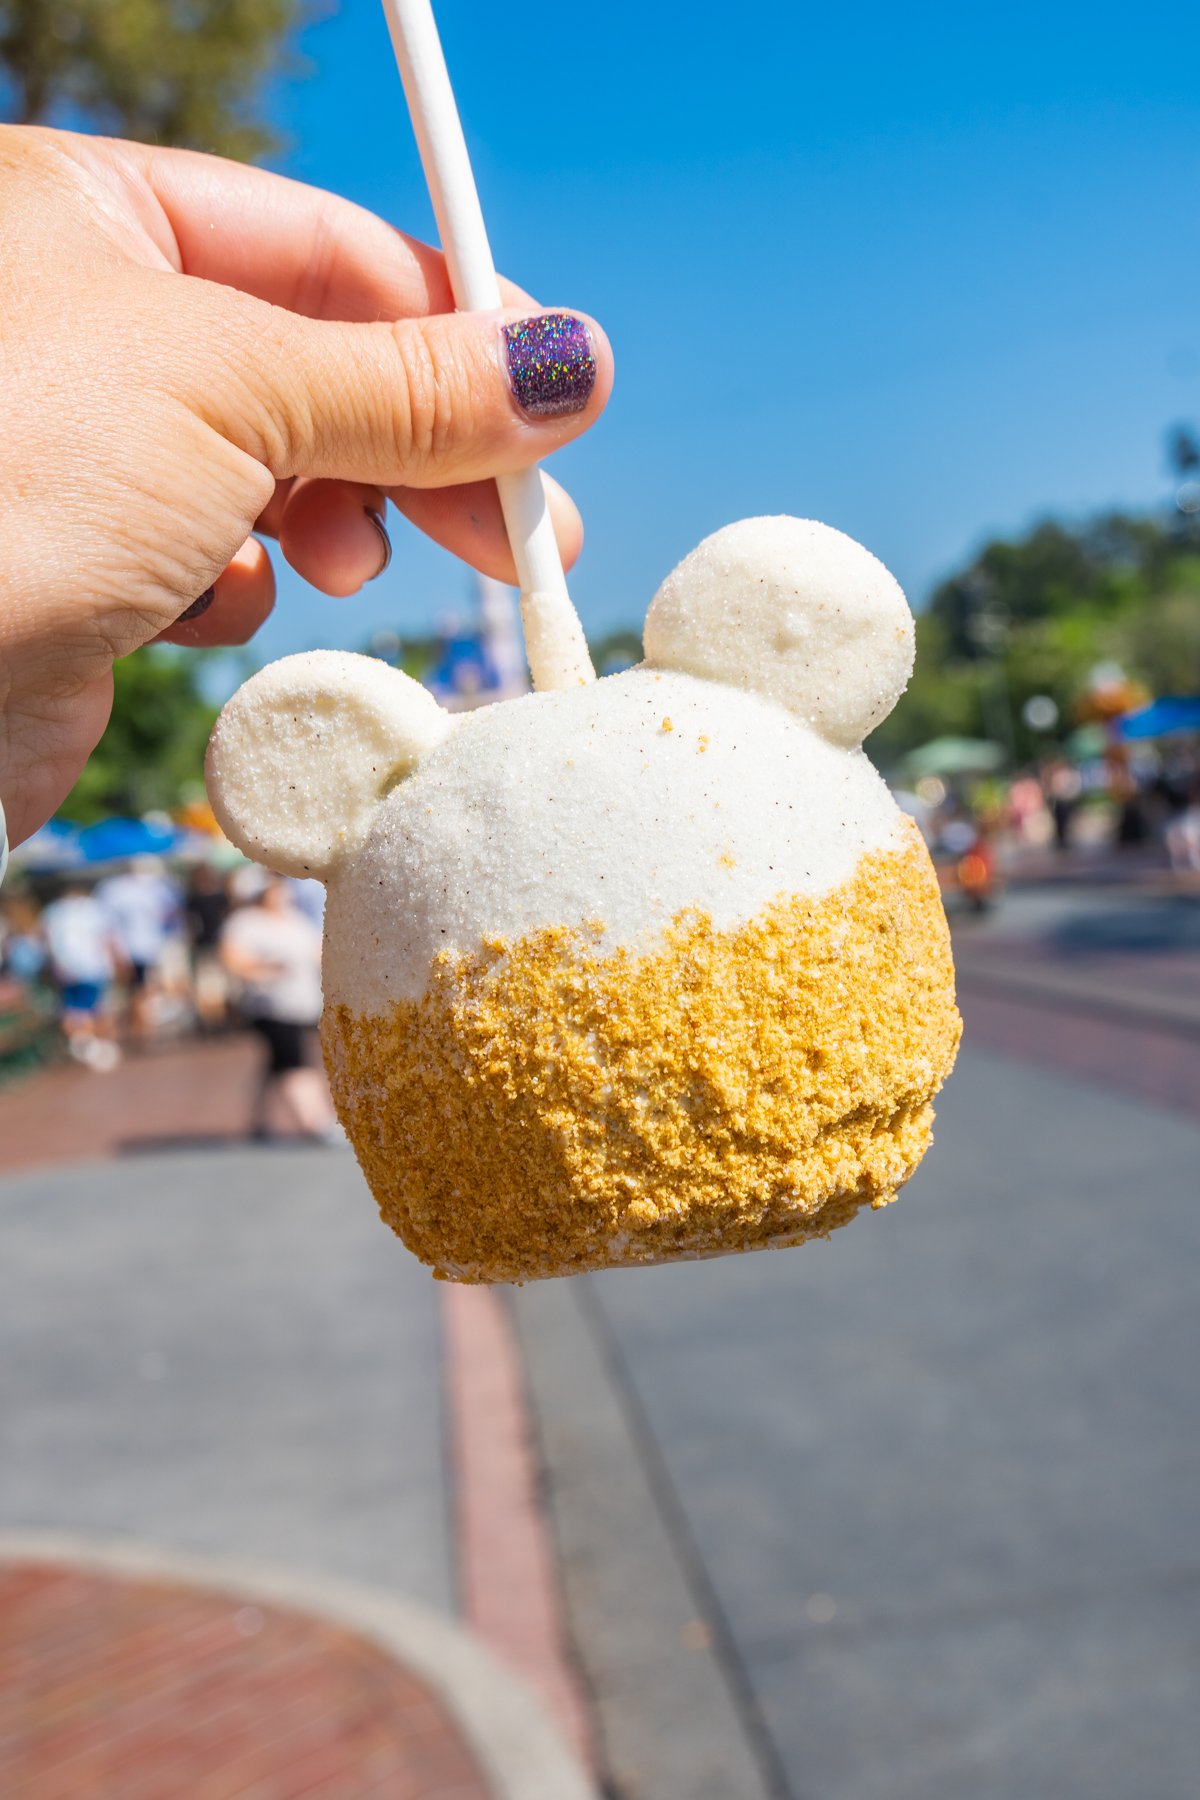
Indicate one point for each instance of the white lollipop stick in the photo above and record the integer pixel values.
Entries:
(554, 640)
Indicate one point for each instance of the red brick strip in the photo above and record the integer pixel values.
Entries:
(507, 1569)
(123, 1689)
(187, 1093)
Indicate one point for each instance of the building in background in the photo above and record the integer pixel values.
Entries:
(481, 658)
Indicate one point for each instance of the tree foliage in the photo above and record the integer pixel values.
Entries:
(615, 651)
(152, 754)
(164, 71)
(1037, 613)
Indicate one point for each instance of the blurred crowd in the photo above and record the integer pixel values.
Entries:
(1113, 804)
(101, 964)
(980, 828)
(100, 968)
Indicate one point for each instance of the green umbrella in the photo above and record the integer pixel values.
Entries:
(1086, 744)
(953, 756)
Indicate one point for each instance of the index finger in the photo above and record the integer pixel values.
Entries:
(292, 245)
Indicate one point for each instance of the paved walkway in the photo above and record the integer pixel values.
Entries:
(116, 1689)
(910, 1515)
(227, 1354)
(904, 1516)
(216, 1347)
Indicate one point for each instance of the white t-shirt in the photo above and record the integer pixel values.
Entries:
(145, 913)
(291, 944)
(78, 935)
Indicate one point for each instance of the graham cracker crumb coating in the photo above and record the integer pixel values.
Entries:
(549, 1106)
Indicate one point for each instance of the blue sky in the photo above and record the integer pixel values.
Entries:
(924, 272)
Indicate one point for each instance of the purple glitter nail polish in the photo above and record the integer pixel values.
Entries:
(550, 364)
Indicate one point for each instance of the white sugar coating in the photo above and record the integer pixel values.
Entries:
(723, 773)
(624, 802)
(795, 611)
(302, 753)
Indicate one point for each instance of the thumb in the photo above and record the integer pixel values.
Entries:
(427, 402)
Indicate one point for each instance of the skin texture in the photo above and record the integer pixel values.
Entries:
(193, 352)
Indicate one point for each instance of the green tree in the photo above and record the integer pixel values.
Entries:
(1035, 614)
(1160, 641)
(165, 71)
(152, 754)
(615, 651)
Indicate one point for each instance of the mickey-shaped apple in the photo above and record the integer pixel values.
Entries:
(644, 969)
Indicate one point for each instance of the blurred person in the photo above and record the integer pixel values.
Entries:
(23, 953)
(272, 953)
(1133, 814)
(1063, 788)
(28, 1005)
(958, 831)
(145, 914)
(198, 355)
(1027, 810)
(206, 907)
(83, 961)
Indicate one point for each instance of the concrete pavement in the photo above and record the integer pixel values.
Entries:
(217, 1363)
(900, 1517)
(223, 1352)
(930, 1489)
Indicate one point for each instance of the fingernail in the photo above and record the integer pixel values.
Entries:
(385, 543)
(551, 364)
(198, 606)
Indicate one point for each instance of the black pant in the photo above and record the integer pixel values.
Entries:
(287, 1044)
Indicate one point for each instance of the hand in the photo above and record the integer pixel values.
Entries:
(191, 351)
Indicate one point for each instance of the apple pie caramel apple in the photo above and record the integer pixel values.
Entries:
(644, 969)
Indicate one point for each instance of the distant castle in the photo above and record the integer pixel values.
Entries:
(469, 661)
(480, 658)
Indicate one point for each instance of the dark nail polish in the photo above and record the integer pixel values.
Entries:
(198, 606)
(385, 542)
(550, 364)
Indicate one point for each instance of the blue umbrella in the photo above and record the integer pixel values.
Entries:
(53, 848)
(115, 840)
(1178, 712)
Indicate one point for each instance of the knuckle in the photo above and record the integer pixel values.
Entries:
(263, 410)
(434, 387)
(239, 380)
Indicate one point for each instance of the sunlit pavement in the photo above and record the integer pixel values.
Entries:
(221, 1350)
(219, 1353)
(901, 1517)
(911, 1515)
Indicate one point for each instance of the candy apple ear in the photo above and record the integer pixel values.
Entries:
(303, 753)
(795, 611)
